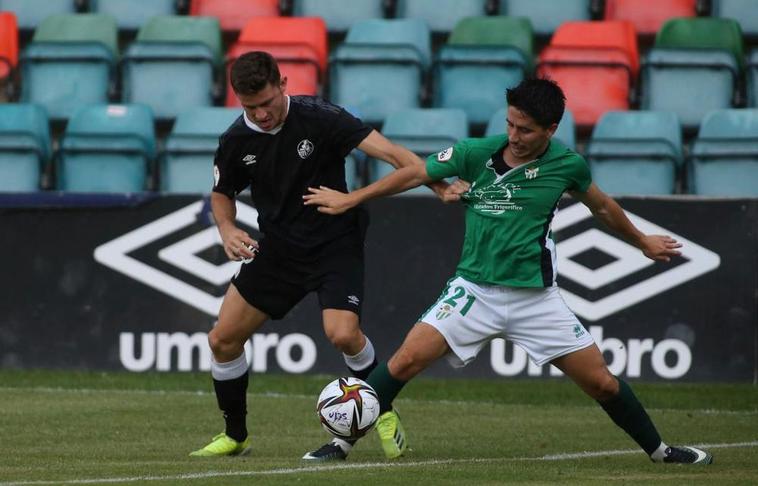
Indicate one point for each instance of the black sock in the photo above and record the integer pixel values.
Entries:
(629, 414)
(232, 400)
(363, 374)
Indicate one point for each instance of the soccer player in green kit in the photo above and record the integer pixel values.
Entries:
(505, 282)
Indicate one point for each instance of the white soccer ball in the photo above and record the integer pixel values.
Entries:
(347, 408)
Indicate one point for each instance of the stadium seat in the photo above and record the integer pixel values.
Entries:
(692, 68)
(648, 16)
(173, 64)
(724, 159)
(423, 131)
(544, 14)
(30, 13)
(339, 15)
(490, 53)
(381, 66)
(752, 79)
(69, 63)
(636, 152)
(107, 148)
(132, 14)
(187, 163)
(234, 14)
(298, 43)
(24, 147)
(595, 63)
(440, 15)
(8, 45)
(566, 132)
(743, 11)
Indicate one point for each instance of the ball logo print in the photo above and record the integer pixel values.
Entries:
(347, 408)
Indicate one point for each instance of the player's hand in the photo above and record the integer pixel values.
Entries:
(328, 200)
(238, 245)
(454, 191)
(660, 247)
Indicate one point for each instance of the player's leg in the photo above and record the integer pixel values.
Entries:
(342, 329)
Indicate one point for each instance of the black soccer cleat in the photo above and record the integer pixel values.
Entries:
(327, 452)
(687, 455)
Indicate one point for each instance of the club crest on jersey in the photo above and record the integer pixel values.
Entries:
(445, 155)
(304, 148)
(531, 173)
(444, 311)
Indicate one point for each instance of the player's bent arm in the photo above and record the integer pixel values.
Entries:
(608, 211)
(237, 243)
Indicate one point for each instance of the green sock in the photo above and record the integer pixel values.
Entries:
(385, 385)
(629, 414)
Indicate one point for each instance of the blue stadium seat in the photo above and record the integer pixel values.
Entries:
(69, 63)
(423, 131)
(752, 79)
(636, 152)
(133, 14)
(545, 15)
(440, 15)
(30, 13)
(187, 164)
(186, 50)
(724, 159)
(107, 148)
(24, 147)
(339, 15)
(743, 11)
(380, 67)
(566, 132)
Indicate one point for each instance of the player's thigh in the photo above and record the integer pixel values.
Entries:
(587, 368)
(423, 345)
(237, 319)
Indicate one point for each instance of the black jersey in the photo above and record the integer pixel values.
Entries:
(308, 151)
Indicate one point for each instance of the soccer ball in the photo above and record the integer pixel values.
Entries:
(347, 408)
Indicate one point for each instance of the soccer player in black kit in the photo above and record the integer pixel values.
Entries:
(280, 146)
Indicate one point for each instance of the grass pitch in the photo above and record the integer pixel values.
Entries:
(62, 428)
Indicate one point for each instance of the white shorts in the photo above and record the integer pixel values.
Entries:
(470, 315)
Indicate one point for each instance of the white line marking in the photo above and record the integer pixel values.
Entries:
(368, 465)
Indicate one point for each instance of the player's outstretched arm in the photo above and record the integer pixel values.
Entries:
(607, 210)
(238, 245)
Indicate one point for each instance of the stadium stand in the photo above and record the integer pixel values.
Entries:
(648, 16)
(743, 11)
(752, 79)
(130, 15)
(566, 132)
(544, 14)
(173, 64)
(636, 152)
(339, 15)
(25, 148)
(234, 14)
(595, 63)
(440, 15)
(380, 68)
(69, 63)
(30, 13)
(8, 54)
(483, 57)
(693, 59)
(299, 44)
(187, 161)
(107, 148)
(724, 158)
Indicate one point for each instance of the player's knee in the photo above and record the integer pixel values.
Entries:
(345, 340)
(604, 387)
(405, 364)
(223, 347)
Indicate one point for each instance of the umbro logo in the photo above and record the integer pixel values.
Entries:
(249, 159)
(353, 299)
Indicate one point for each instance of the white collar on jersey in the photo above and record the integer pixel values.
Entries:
(253, 126)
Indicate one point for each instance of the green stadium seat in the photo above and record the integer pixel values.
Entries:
(636, 152)
(545, 15)
(132, 14)
(107, 148)
(24, 147)
(423, 131)
(234, 14)
(724, 158)
(490, 53)
(187, 50)
(752, 79)
(69, 63)
(30, 13)
(187, 163)
(743, 11)
(566, 132)
(380, 67)
(440, 15)
(339, 15)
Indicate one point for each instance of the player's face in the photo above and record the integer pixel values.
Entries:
(268, 107)
(526, 138)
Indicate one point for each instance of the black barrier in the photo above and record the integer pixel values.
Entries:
(136, 285)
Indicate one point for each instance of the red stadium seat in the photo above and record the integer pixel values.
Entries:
(648, 16)
(616, 35)
(234, 14)
(8, 43)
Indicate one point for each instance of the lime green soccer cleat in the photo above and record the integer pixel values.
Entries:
(392, 434)
(223, 445)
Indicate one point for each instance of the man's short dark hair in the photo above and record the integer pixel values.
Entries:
(541, 99)
(252, 71)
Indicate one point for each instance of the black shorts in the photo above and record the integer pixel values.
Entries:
(281, 275)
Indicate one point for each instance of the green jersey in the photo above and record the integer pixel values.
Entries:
(508, 211)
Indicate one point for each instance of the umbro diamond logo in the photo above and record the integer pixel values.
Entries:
(353, 299)
(249, 159)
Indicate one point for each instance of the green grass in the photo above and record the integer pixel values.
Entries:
(110, 428)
